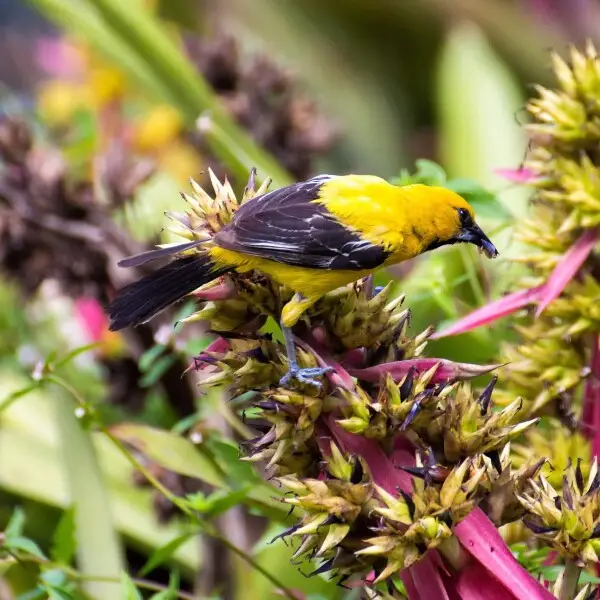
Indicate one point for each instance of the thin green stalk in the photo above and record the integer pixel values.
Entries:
(473, 279)
(570, 580)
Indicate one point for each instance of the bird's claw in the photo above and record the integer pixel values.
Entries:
(305, 376)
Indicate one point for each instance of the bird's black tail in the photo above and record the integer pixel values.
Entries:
(140, 301)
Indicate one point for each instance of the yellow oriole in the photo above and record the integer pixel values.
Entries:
(312, 237)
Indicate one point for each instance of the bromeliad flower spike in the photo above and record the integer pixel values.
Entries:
(390, 458)
(312, 237)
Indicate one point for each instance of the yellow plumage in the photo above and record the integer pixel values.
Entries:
(403, 220)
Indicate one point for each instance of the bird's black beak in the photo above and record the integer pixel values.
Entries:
(473, 235)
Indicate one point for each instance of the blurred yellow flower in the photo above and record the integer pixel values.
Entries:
(104, 84)
(160, 126)
(180, 160)
(59, 100)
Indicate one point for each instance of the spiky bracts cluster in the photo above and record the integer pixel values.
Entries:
(563, 166)
(383, 390)
(568, 521)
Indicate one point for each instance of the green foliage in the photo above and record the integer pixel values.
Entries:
(129, 590)
(484, 202)
(165, 553)
(64, 543)
(170, 451)
(218, 502)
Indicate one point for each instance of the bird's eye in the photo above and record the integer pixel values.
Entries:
(465, 217)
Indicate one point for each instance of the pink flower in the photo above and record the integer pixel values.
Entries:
(92, 317)
(520, 175)
(59, 59)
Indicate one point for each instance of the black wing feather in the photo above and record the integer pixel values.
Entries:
(287, 227)
(140, 301)
(140, 259)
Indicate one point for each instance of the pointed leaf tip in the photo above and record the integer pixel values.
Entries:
(446, 370)
(566, 269)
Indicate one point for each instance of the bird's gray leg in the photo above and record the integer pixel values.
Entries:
(295, 373)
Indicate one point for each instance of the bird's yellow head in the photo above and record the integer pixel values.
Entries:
(446, 218)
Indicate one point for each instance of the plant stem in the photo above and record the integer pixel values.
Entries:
(568, 588)
(454, 553)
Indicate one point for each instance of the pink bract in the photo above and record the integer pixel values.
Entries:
(492, 312)
(566, 269)
(446, 370)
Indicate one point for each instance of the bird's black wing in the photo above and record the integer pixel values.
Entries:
(286, 226)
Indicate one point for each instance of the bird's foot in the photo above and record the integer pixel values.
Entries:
(307, 376)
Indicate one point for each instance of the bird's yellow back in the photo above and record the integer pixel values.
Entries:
(404, 220)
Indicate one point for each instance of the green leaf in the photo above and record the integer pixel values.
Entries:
(429, 172)
(24, 545)
(149, 356)
(586, 577)
(169, 450)
(55, 593)
(227, 453)
(16, 523)
(164, 553)
(484, 203)
(550, 573)
(9, 400)
(218, 502)
(130, 592)
(157, 370)
(99, 548)
(38, 593)
(63, 541)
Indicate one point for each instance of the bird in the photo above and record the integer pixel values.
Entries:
(312, 236)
